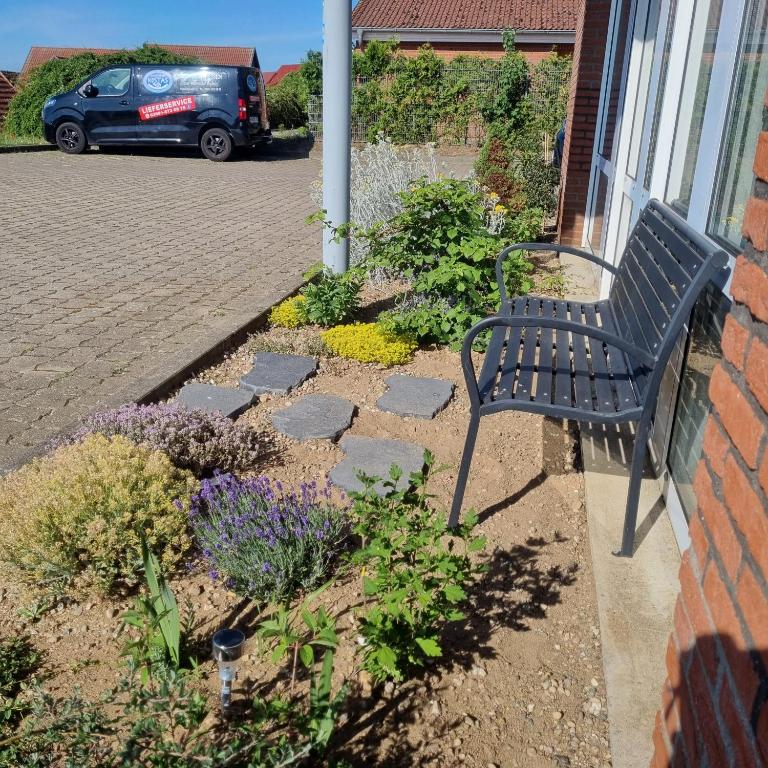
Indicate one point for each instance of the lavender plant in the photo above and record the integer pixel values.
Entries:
(192, 439)
(265, 543)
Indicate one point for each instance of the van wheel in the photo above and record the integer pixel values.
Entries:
(70, 138)
(216, 144)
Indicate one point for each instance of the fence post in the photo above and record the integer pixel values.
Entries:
(337, 92)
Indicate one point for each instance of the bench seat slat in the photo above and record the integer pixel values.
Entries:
(683, 252)
(605, 400)
(677, 277)
(486, 381)
(582, 375)
(619, 367)
(545, 372)
(563, 395)
(511, 358)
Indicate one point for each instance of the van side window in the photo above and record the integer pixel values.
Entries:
(112, 82)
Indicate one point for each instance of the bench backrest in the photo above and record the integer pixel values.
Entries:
(665, 267)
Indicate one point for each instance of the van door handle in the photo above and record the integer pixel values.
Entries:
(125, 101)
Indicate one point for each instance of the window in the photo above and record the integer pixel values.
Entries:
(734, 178)
(693, 397)
(693, 101)
(112, 82)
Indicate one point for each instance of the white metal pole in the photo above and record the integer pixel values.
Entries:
(337, 92)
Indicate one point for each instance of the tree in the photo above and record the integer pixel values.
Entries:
(312, 71)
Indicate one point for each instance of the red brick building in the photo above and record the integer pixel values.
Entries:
(472, 28)
(647, 120)
(7, 92)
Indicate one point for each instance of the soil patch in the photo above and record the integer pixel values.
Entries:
(521, 681)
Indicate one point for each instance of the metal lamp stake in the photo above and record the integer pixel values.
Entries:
(227, 649)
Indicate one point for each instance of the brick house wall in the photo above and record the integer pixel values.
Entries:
(715, 700)
(7, 92)
(533, 53)
(583, 104)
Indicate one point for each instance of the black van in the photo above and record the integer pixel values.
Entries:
(215, 108)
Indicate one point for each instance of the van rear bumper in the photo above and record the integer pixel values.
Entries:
(245, 138)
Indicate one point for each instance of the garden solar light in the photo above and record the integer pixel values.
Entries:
(227, 649)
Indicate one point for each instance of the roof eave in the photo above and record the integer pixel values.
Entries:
(431, 34)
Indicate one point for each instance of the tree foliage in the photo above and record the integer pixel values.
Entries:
(59, 75)
(312, 71)
(288, 102)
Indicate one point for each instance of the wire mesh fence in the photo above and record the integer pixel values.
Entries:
(420, 123)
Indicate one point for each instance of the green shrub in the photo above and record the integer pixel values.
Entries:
(312, 71)
(441, 242)
(369, 343)
(288, 102)
(331, 298)
(80, 514)
(503, 106)
(60, 75)
(415, 571)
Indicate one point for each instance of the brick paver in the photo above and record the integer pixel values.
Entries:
(116, 270)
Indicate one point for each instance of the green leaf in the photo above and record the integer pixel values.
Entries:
(387, 659)
(429, 646)
(307, 656)
(454, 593)
(370, 587)
(476, 544)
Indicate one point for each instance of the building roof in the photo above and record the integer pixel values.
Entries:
(555, 15)
(234, 56)
(273, 78)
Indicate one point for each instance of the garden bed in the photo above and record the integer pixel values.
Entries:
(520, 682)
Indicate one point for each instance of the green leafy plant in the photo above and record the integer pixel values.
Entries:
(332, 298)
(414, 573)
(59, 75)
(310, 639)
(76, 518)
(163, 632)
(19, 660)
(503, 105)
(442, 244)
(164, 723)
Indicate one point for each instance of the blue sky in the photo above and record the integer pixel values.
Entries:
(281, 31)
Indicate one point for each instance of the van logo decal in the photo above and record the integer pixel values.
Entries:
(158, 81)
(251, 81)
(165, 108)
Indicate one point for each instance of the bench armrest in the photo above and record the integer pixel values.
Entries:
(556, 323)
(544, 247)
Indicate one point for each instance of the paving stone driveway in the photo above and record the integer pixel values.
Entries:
(116, 270)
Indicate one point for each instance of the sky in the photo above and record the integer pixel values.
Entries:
(280, 30)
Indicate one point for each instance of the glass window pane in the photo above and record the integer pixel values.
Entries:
(660, 93)
(616, 79)
(644, 83)
(112, 82)
(693, 399)
(735, 175)
(598, 214)
(693, 101)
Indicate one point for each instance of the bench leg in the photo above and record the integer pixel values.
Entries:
(633, 495)
(466, 461)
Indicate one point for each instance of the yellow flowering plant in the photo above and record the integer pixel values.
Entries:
(369, 343)
(290, 313)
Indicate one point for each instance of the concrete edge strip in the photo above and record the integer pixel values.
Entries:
(26, 148)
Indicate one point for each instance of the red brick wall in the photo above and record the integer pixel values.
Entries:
(715, 701)
(589, 52)
(7, 92)
(448, 51)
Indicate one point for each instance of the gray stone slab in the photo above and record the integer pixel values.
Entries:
(207, 397)
(278, 374)
(415, 396)
(374, 457)
(315, 417)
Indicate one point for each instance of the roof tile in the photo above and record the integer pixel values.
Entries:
(543, 15)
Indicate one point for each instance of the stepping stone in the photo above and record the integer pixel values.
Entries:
(315, 416)
(207, 397)
(374, 457)
(277, 374)
(414, 396)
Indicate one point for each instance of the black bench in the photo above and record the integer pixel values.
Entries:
(599, 362)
